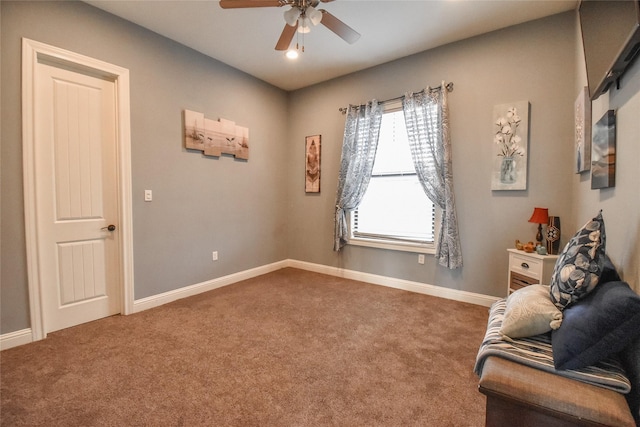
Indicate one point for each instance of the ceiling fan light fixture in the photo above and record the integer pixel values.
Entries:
(299, 18)
(303, 25)
(291, 54)
(291, 16)
(314, 15)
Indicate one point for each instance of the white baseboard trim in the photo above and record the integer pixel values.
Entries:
(16, 338)
(421, 288)
(167, 297)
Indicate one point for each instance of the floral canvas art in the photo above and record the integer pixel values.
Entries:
(511, 143)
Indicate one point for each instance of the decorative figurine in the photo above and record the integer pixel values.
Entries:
(519, 245)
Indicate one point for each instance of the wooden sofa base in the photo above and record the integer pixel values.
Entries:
(503, 411)
(518, 395)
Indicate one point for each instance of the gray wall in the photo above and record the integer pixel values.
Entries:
(200, 204)
(256, 212)
(621, 204)
(535, 62)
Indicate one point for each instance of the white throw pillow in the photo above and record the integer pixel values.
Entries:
(529, 312)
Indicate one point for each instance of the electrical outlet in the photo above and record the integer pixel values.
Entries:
(214, 255)
(421, 259)
(148, 195)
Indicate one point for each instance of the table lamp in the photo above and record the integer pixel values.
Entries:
(540, 216)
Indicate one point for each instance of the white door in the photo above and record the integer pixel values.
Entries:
(75, 151)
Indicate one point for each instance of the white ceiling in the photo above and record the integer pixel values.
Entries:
(390, 29)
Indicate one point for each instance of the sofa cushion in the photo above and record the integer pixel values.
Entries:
(596, 327)
(579, 265)
(529, 311)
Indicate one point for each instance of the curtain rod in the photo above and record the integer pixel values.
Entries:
(449, 87)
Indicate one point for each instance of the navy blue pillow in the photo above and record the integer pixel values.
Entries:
(597, 326)
(609, 272)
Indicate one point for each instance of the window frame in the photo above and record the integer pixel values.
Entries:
(421, 248)
(396, 245)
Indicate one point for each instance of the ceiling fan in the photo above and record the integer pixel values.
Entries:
(298, 18)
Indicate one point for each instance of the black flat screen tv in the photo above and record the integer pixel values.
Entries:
(611, 40)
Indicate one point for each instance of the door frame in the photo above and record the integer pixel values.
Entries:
(34, 52)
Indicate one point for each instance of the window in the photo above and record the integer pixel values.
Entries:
(395, 213)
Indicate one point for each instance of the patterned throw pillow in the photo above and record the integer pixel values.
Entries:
(580, 264)
(529, 312)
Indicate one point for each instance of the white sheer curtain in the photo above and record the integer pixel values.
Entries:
(427, 120)
(361, 132)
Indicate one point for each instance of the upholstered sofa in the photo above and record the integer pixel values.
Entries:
(567, 353)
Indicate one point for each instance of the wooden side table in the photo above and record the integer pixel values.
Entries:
(528, 268)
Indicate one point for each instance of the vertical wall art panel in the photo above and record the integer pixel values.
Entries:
(603, 152)
(312, 164)
(194, 130)
(511, 143)
(582, 111)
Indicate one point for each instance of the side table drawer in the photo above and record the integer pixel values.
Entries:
(528, 266)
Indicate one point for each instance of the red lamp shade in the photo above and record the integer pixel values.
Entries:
(540, 216)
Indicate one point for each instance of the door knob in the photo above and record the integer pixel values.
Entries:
(110, 227)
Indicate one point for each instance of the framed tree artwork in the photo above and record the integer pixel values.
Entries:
(312, 164)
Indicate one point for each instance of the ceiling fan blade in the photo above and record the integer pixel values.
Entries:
(235, 4)
(347, 33)
(285, 38)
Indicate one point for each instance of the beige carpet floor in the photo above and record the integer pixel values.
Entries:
(290, 348)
